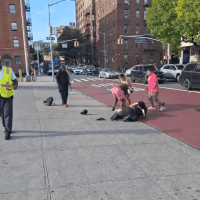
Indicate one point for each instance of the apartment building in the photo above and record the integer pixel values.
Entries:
(115, 18)
(11, 34)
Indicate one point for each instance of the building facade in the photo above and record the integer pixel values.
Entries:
(11, 34)
(103, 22)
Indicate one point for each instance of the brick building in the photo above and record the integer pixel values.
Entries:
(11, 34)
(114, 18)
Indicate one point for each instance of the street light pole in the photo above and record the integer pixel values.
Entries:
(105, 49)
(168, 54)
(28, 78)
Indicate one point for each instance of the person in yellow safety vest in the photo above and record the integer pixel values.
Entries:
(8, 83)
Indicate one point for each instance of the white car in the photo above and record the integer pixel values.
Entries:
(78, 70)
(172, 71)
(108, 73)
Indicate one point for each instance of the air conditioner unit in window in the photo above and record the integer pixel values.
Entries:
(137, 32)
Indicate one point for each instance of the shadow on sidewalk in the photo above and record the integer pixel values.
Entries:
(44, 134)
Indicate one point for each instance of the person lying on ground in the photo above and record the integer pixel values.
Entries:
(118, 94)
(132, 113)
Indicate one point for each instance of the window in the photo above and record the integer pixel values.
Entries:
(145, 29)
(137, 29)
(18, 60)
(145, 2)
(138, 1)
(136, 68)
(167, 67)
(173, 67)
(144, 57)
(12, 9)
(140, 68)
(190, 67)
(197, 68)
(151, 57)
(126, 1)
(16, 43)
(145, 14)
(93, 17)
(152, 43)
(136, 57)
(126, 13)
(13, 26)
(137, 14)
(126, 29)
(125, 57)
(126, 44)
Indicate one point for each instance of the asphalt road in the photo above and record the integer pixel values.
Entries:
(170, 84)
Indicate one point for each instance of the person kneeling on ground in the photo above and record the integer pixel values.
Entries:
(132, 113)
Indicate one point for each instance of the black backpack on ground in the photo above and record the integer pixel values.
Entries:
(48, 101)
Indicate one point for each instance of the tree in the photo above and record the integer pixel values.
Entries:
(172, 22)
(71, 52)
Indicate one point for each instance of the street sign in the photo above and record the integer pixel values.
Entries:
(48, 38)
(64, 45)
(141, 41)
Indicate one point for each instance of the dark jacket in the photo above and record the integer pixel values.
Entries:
(62, 79)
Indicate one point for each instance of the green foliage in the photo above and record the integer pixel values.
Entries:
(173, 21)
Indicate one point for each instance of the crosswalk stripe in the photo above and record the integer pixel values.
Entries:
(84, 79)
(77, 80)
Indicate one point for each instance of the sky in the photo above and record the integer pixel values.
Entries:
(60, 14)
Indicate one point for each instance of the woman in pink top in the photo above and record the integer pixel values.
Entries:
(154, 90)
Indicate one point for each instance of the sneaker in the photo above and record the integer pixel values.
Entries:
(162, 109)
(152, 108)
(65, 105)
(114, 117)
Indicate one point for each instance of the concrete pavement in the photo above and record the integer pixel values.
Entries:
(57, 154)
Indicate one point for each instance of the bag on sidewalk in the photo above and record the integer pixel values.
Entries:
(48, 101)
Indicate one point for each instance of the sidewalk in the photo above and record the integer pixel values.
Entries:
(57, 154)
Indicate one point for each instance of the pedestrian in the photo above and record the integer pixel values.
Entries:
(62, 80)
(118, 94)
(126, 87)
(132, 113)
(32, 74)
(8, 83)
(123, 69)
(154, 90)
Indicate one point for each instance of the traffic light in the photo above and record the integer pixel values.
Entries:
(120, 41)
(76, 44)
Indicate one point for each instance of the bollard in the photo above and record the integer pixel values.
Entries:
(35, 76)
(20, 75)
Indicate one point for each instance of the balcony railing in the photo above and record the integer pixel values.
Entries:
(28, 22)
(27, 7)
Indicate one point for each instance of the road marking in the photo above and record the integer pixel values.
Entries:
(91, 79)
(94, 85)
(84, 79)
(77, 80)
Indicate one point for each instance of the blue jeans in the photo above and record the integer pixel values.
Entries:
(32, 77)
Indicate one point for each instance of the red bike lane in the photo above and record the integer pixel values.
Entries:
(180, 119)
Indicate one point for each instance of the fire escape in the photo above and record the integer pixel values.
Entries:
(29, 26)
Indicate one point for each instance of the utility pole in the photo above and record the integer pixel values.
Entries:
(168, 46)
(28, 78)
(105, 48)
(51, 45)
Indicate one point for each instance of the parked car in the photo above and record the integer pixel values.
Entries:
(78, 70)
(89, 69)
(128, 71)
(190, 76)
(55, 69)
(139, 73)
(108, 73)
(72, 68)
(172, 71)
(23, 73)
(97, 71)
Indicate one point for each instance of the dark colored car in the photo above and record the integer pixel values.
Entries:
(88, 69)
(96, 71)
(190, 76)
(139, 73)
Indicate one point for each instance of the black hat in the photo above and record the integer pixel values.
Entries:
(84, 112)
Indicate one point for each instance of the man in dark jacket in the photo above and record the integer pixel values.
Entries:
(132, 113)
(62, 80)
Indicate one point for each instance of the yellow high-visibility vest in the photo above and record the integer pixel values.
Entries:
(6, 84)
